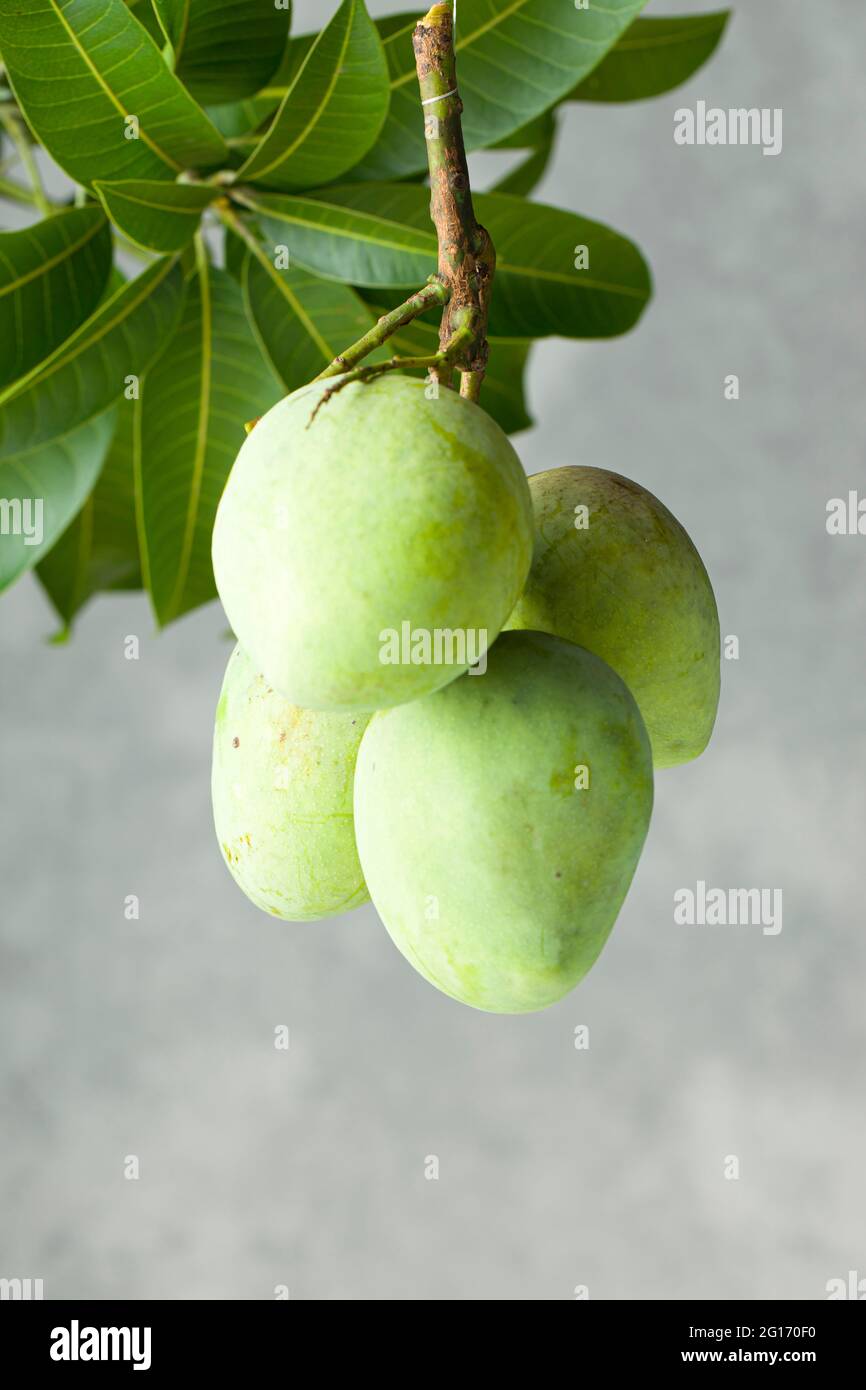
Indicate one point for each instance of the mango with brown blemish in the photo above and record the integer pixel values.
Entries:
(282, 785)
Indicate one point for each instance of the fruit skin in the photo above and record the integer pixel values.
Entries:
(390, 508)
(632, 588)
(282, 798)
(465, 806)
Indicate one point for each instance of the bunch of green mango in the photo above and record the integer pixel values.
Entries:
(452, 685)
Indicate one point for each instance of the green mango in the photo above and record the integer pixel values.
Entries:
(631, 587)
(499, 821)
(282, 798)
(368, 551)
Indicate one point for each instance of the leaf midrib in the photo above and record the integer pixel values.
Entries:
(45, 266)
(296, 306)
(42, 371)
(118, 105)
(530, 272)
(703, 25)
(430, 240)
(200, 444)
(178, 208)
(287, 153)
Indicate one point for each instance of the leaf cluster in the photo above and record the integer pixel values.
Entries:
(238, 204)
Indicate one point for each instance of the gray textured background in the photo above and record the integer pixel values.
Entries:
(558, 1167)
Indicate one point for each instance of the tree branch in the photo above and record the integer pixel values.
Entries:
(467, 259)
(432, 295)
(442, 361)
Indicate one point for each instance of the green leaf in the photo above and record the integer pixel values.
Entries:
(514, 60)
(333, 111)
(243, 118)
(239, 120)
(344, 234)
(392, 26)
(528, 174)
(116, 281)
(146, 16)
(653, 56)
(54, 430)
(293, 59)
(235, 254)
(380, 235)
(224, 50)
(530, 136)
(194, 404)
(301, 322)
(52, 275)
(42, 488)
(98, 552)
(502, 394)
(159, 216)
(81, 70)
(89, 370)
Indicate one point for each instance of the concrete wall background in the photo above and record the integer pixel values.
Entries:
(558, 1167)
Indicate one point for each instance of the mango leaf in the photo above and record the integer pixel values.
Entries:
(238, 121)
(332, 112)
(530, 136)
(293, 59)
(98, 552)
(243, 118)
(89, 370)
(157, 215)
(343, 234)
(235, 254)
(400, 25)
(224, 50)
(653, 56)
(529, 172)
(52, 275)
(42, 488)
(54, 430)
(116, 281)
(380, 235)
(527, 175)
(146, 16)
(194, 404)
(301, 322)
(95, 91)
(502, 394)
(514, 60)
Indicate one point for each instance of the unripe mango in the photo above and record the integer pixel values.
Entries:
(615, 572)
(383, 512)
(499, 821)
(282, 798)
